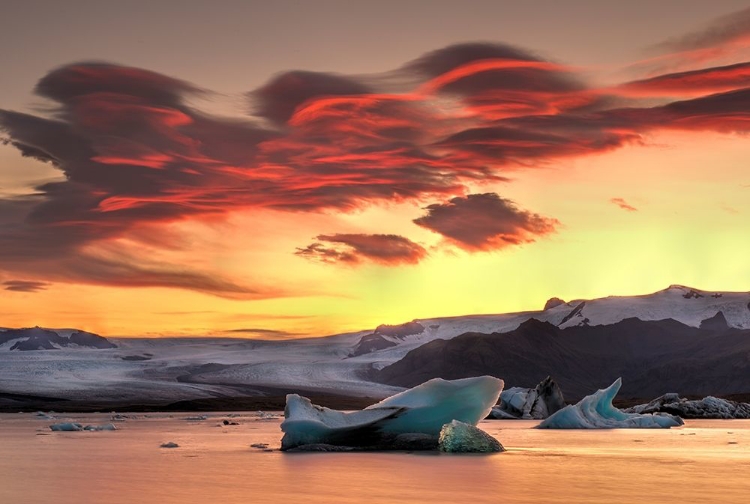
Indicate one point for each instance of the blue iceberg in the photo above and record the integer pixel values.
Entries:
(596, 411)
(406, 420)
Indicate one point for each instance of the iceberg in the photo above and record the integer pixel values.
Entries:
(74, 426)
(414, 417)
(66, 427)
(708, 407)
(459, 437)
(529, 403)
(104, 427)
(595, 411)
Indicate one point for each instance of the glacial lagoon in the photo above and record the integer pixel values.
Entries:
(704, 461)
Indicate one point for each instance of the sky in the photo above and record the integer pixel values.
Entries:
(287, 169)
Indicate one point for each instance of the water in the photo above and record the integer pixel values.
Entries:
(705, 461)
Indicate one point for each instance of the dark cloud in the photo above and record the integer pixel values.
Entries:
(705, 80)
(386, 249)
(267, 333)
(280, 98)
(724, 30)
(485, 222)
(620, 202)
(136, 155)
(24, 285)
(441, 61)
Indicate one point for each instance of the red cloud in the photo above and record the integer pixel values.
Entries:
(134, 153)
(386, 249)
(620, 202)
(692, 83)
(484, 222)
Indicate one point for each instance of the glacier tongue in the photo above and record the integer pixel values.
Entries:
(596, 411)
(422, 410)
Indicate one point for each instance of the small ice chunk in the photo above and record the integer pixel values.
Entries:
(105, 427)
(459, 437)
(596, 411)
(169, 445)
(197, 418)
(66, 427)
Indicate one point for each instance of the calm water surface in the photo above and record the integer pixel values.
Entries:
(705, 461)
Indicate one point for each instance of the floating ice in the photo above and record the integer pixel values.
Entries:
(66, 426)
(458, 437)
(421, 410)
(74, 426)
(595, 411)
(105, 427)
(708, 407)
(169, 445)
(529, 403)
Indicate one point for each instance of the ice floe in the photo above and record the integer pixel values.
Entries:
(708, 407)
(529, 403)
(411, 419)
(459, 437)
(596, 411)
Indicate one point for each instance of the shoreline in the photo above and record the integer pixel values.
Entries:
(274, 401)
(18, 403)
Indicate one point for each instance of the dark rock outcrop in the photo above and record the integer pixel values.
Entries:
(552, 302)
(37, 338)
(384, 337)
(716, 323)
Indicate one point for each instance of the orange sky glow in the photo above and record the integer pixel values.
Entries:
(469, 177)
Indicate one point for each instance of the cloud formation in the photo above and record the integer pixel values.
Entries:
(620, 202)
(24, 285)
(136, 156)
(485, 222)
(386, 249)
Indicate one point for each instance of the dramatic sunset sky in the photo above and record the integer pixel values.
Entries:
(278, 169)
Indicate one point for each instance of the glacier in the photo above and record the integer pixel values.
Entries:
(596, 411)
(413, 418)
(529, 403)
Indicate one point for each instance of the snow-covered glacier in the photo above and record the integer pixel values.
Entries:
(414, 416)
(596, 411)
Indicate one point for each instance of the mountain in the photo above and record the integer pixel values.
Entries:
(652, 357)
(37, 338)
(583, 344)
(687, 305)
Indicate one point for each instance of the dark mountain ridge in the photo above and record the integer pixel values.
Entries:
(652, 357)
(37, 338)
